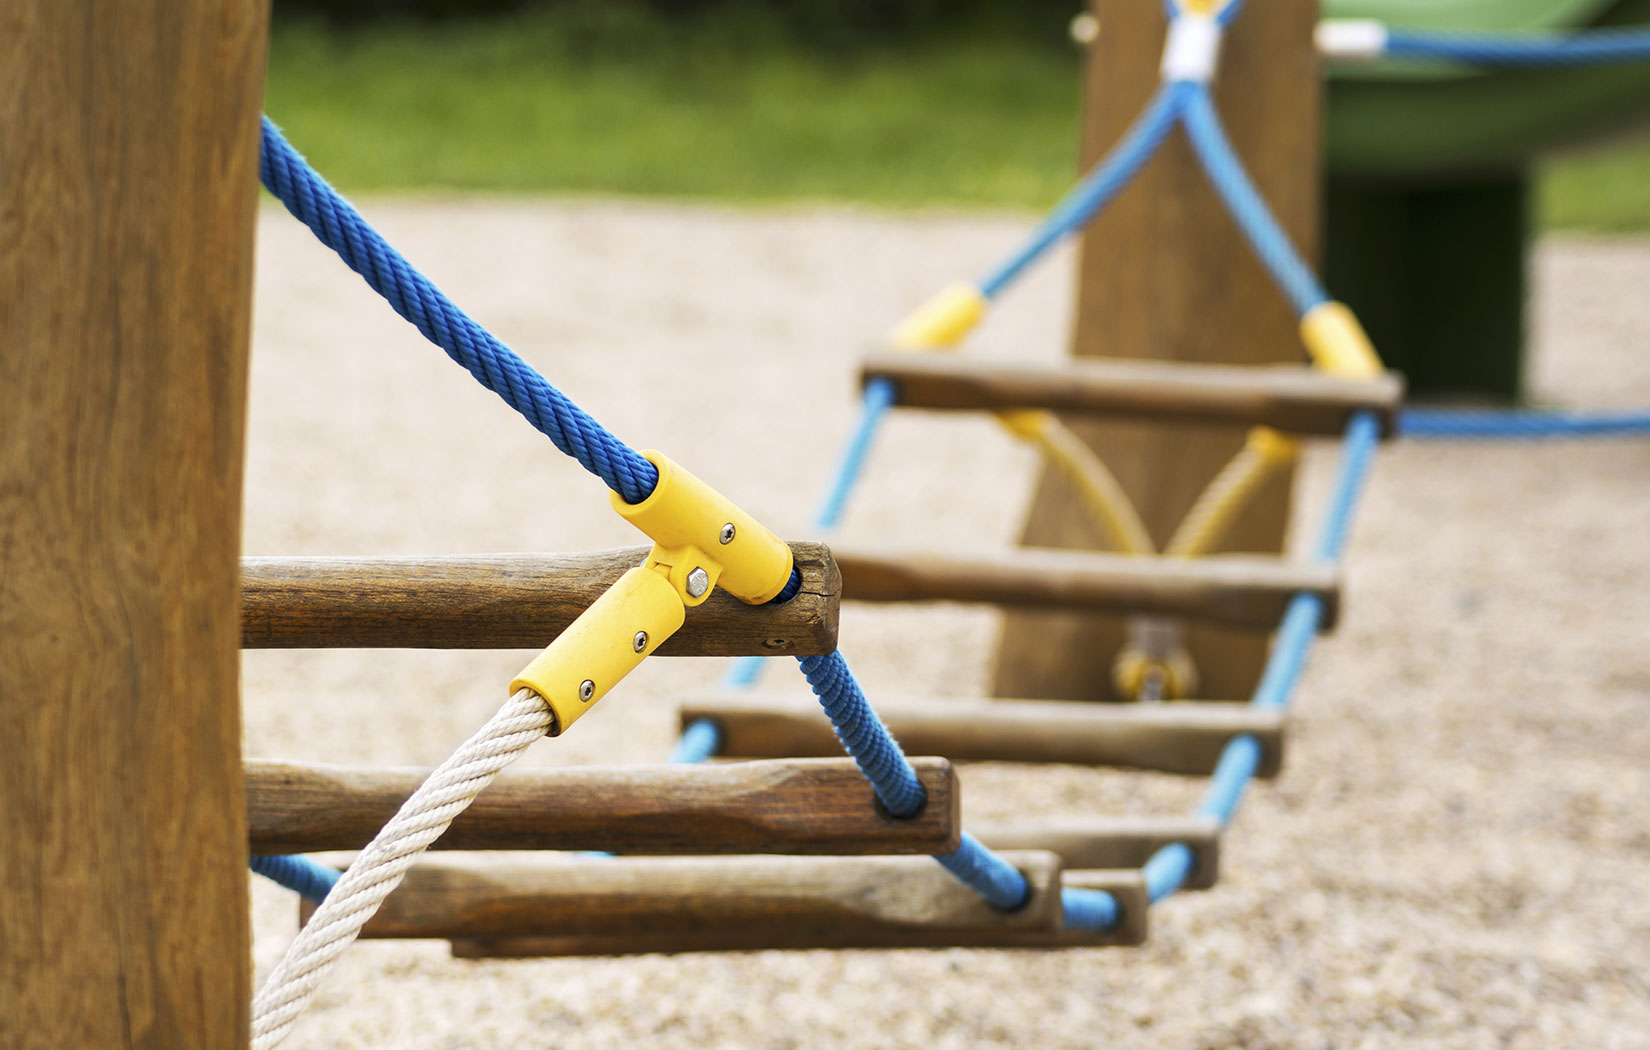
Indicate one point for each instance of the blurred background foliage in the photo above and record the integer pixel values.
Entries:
(904, 103)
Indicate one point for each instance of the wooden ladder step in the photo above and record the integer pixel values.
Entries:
(1183, 737)
(565, 905)
(508, 601)
(1245, 591)
(1112, 842)
(1289, 397)
(796, 806)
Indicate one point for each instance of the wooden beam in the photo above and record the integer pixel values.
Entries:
(508, 601)
(1128, 887)
(128, 183)
(1183, 737)
(1112, 842)
(1165, 275)
(730, 903)
(798, 806)
(1249, 593)
(1292, 398)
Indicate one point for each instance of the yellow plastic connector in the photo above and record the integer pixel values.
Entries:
(942, 321)
(1338, 343)
(1275, 448)
(701, 538)
(617, 632)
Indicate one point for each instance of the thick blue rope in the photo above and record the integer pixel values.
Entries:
(340, 227)
(1169, 867)
(299, 874)
(1590, 47)
(1514, 424)
(1248, 209)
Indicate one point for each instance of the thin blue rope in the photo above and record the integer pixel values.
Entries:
(305, 877)
(991, 876)
(1590, 47)
(340, 227)
(1248, 209)
(698, 742)
(1514, 424)
(1167, 869)
(1105, 181)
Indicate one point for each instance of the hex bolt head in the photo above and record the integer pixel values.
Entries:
(640, 641)
(698, 582)
(727, 534)
(587, 689)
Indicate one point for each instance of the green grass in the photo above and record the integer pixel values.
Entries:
(598, 99)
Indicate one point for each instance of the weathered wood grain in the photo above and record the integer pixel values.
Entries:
(508, 601)
(658, 904)
(1292, 398)
(1112, 842)
(1183, 737)
(1250, 593)
(797, 806)
(128, 189)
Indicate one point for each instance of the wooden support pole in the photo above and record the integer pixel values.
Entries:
(797, 806)
(656, 904)
(1291, 398)
(128, 182)
(1112, 842)
(1165, 275)
(1183, 737)
(1246, 593)
(509, 601)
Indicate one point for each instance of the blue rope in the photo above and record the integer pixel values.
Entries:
(1166, 871)
(1293, 276)
(340, 227)
(1591, 47)
(1433, 423)
(991, 876)
(303, 876)
(863, 735)
(698, 742)
(1104, 182)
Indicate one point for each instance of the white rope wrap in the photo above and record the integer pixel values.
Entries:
(1192, 51)
(380, 867)
(1355, 39)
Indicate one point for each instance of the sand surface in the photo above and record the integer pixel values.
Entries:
(1458, 853)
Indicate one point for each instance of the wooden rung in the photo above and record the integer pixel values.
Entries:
(1182, 737)
(1289, 397)
(508, 601)
(1112, 842)
(797, 806)
(1246, 591)
(660, 904)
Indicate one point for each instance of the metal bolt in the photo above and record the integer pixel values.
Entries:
(698, 582)
(587, 689)
(640, 641)
(727, 533)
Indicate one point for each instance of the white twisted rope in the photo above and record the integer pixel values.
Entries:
(381, 866)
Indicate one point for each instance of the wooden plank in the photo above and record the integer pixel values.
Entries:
(128, 183)
(508, 601)
(713, 903)
(1250, 593)
(1128, 887)
(1183, 737)
(1164, 275)
(1112, 842)
(798, 806)
(1292, 398)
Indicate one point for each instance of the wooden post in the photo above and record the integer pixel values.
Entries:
(1165, 275)
(128, 176)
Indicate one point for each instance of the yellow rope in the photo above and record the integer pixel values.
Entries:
(1102, 496)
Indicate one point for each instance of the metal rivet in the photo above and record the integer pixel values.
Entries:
(587, 689)
(698, 582)
(727, 533)
(640, 641)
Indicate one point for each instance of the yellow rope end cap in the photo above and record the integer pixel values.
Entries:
(1338, 343)
(1275, 448)
(942, 321)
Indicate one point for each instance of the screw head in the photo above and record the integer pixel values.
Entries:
(698, 582)
(727, 534)
(640, 641)
(587, 689)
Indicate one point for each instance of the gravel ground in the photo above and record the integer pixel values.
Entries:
(1456, 855)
